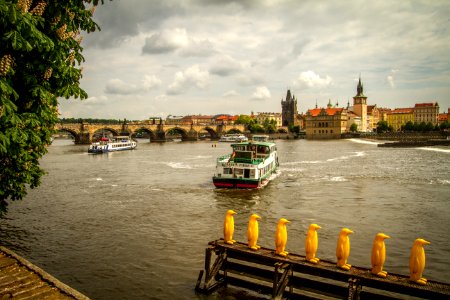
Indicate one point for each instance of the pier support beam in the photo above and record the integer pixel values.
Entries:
(210, 284)
(281, 280)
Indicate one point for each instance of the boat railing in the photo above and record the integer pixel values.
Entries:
(223, 157)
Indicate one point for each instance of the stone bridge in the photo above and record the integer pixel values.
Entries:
(83, 132)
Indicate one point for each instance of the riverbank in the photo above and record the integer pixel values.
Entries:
(22, 279)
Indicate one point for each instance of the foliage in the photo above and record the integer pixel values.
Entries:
(40, 57)
(382, 126)
(256, 128)
(353, 127)
(294, 129)
(270, 126)
(91, 121)
(424, 127)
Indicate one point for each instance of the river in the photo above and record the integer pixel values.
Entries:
(134, 224)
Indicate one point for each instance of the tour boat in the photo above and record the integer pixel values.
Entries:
(117, 143)
(251, 165)
(234, 138)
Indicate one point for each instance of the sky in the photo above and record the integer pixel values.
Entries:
(159, 58)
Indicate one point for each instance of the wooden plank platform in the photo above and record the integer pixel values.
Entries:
(294, 277)
(20, 279)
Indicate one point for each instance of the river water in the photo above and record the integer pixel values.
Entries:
(134, 224)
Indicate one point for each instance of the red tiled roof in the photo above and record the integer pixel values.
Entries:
(425, 104)
(329, 111)
(402, 111)
(443, 117)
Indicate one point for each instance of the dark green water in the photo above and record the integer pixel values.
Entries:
(134, 224)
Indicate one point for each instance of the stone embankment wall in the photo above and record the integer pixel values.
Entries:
(410, 136)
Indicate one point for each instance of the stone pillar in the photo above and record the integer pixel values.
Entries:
(84, 138)
(192, 135)
(160, 135)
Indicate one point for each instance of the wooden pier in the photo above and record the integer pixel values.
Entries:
(293, 277)
(20, 279)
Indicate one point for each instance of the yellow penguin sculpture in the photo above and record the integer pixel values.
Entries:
(312, 243)
(379, 255)
(281, 237)
(343, 249)
(228, 227)
(417, 261)
(253, 232)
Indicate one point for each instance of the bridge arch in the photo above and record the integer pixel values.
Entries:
(150, 132)
(234, 130)
(212, 133)
(108, 129)
(177, 130)
(72, 132)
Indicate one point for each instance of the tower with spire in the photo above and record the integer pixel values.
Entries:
(289, 109)
(360, 105)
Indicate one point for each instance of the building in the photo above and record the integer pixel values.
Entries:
(360, 105)
(198, 120)
(399, 117)
(224, 119)
(373, 117)
(426, 112)
(174, 120)
(353, 118)
(325, 123)
(262, 116)
(289, 110)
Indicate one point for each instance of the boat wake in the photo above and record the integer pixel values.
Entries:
(368, 142)
(434, 149)
(178, 165)
(270, 178)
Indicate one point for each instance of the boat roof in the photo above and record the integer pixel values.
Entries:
(268, 144)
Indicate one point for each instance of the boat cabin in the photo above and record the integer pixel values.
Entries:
(247, 152)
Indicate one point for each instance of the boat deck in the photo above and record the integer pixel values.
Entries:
(20, 279)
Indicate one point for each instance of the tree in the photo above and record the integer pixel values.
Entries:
(40, 57)
(382, 126)
(353, 127)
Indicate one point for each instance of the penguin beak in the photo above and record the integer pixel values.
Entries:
(424, 242)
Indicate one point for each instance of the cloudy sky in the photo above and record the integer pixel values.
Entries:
(155, 58)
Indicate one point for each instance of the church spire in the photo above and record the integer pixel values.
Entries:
(360, 88)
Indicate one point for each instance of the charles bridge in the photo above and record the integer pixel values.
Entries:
(84, 132)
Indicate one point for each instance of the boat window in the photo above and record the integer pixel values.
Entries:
(243, 154)
(227, 171)
(238, 172)
(246, 173)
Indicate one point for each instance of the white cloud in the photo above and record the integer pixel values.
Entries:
(117, 86)
(192, 76)
(198, 48)
(97, 100)
(166, 41)
(261, 93)
(310, 79)
(390, 80)
(151, 81)
(225, 65)
(231, 93)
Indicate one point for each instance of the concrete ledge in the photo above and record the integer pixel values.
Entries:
(11, 284)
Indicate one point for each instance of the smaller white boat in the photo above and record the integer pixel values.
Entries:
(260, 138)
(117, 143)
(233, 138)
